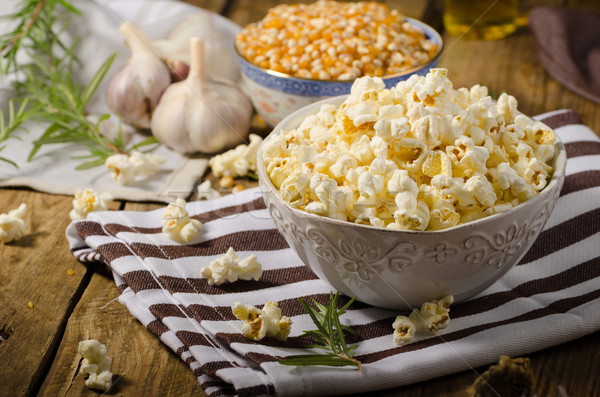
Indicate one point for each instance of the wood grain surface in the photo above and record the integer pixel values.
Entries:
(38, 345)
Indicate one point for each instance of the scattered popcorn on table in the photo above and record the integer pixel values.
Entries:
(433, 315)
(206, 192)
(260, 323)
(30, 304)
(135, 167)
(231, 268)
(95, 364)
(70, 272)
(87, 201)
(177, 223)
(237, 162)
(419, 156)
(12, 225)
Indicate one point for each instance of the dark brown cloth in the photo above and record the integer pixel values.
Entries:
(568, 45)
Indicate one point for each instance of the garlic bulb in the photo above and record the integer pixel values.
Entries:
(221, 62)
(200, 115)
(134, 91)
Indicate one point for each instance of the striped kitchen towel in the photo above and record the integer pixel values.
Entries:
(551, 297)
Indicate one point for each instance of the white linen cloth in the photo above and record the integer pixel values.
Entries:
(552, 296)
(53, 168)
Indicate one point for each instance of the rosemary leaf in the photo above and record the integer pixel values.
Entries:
(318, 359)
(252, 175)
(90, 164)
(96, 80)
(328, 336)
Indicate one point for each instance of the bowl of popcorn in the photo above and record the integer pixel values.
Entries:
(298, 54)
(402, 195)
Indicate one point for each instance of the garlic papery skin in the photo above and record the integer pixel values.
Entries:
(200, 115)
(221, 62)
(134, 91)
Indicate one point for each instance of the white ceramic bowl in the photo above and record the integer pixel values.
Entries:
(275, 95)
(402, 269)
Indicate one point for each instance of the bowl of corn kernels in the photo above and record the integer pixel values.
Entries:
(399, 196)
(298, 54)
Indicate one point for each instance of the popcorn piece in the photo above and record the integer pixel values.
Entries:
(239, 161)
(231, 268)
(433, 315)
(135, 167)
(12, 225)
(206, 192)
(177, 223)
(260, 323)
(87, 201)
(404, 330)
(95, 364)
(466, 155)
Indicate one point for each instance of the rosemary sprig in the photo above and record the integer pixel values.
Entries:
(329, 336)
(47, 90)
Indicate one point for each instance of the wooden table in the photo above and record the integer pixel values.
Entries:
(38, 348)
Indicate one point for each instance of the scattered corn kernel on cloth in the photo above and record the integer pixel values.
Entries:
(551, 297)
(53, 168)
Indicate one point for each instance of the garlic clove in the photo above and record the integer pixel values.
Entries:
(201, 115)
(174, 50)
(134, 91)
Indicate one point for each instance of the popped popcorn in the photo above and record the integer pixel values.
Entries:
(259, 323)
(404, 330)
(206, 192)
(135, 167)
(419, 156)
(95, 364)
(231, 268)
(177, 223)
(432, 316)
(87, 201)
(12, 225)
(236, 162)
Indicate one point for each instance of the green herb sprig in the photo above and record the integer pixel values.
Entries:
(46, 90)
(329, 336)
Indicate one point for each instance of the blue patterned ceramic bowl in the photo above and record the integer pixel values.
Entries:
(275, 95)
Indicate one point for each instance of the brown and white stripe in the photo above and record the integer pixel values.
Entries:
(551, 297)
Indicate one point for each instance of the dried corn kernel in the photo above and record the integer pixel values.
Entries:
(226, 181)
(330, 40)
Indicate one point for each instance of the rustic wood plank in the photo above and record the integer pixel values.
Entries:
(142, 365)
(34, 269)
